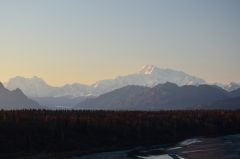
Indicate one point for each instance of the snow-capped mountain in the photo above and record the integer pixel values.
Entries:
(37, 87)
(232, 86)
(33, 87)
(148, 75)
(229, 87)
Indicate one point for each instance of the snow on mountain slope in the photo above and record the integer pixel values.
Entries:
(229, 87)
(232, 86)
(35, 87)
(149, 76)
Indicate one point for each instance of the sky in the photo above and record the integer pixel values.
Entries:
(67, 41)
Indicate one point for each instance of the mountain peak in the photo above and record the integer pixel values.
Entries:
(15, 99)
(2, 88)
(1, 85)
(231, 86)
(148, 69)
(18, 91)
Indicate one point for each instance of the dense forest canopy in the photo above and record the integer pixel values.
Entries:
(44, 131)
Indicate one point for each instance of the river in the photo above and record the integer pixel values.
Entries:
(225, 147)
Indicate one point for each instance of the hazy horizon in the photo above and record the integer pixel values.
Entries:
(86, 41)
(122, 75)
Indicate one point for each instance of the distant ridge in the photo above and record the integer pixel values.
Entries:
(15, 99)
(162, 96)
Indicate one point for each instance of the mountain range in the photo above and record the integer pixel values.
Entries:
(164, 96)
(70, 95)
(132, 97)
(148, 76)
(15, 99)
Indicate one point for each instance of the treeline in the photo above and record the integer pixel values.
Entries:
(43, 131)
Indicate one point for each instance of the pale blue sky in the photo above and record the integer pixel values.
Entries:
(67, 41)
